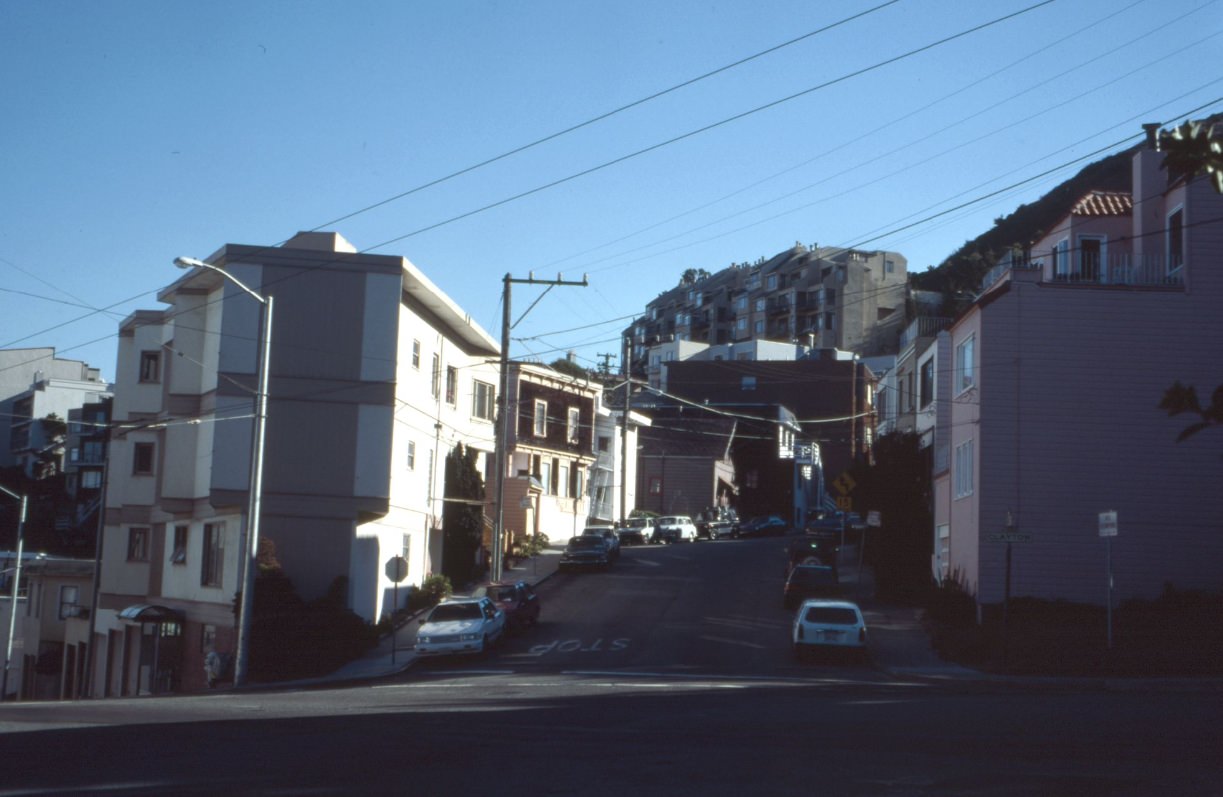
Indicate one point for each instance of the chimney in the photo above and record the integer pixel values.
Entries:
(1152, 131)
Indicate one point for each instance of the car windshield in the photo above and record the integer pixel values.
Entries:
(589, 541)
(638, 523)
(831, 615)
(455, 611)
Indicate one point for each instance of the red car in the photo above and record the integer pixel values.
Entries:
(517, 599)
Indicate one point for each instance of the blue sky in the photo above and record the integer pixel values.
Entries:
(136, 132)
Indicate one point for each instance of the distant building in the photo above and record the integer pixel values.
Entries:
(34, 383)
(818, 297)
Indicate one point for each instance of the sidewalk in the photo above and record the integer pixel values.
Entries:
(395, 653)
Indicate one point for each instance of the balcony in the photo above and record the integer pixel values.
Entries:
(778, 305)
(922, 327)
(1089, 269)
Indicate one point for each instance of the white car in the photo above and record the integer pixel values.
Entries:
(829, 625)
(674, 528)
(463, 625)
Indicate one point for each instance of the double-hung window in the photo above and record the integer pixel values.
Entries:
(927, 383)
(965, 376)
(963, 470)
(573, 425)
(452, 385)
(483, 401)
(540, 420)
(212, 565)
(1176, 239)
(138, 544)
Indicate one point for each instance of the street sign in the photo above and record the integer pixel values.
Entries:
(873, 518)
(1009, 536)
(397, 568)
(845, 503)
(1108, 523)
(844, 483)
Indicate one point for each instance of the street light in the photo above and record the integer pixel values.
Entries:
(255, 496)
(12, 621)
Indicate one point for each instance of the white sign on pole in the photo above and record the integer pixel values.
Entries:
(873, 518)
(1108, 523)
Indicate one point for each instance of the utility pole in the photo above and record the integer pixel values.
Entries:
(626, 370)
(605, 366)
(503, 404)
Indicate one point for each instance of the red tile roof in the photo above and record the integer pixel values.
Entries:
(1104, 203)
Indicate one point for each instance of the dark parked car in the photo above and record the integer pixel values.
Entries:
(811, 549)
(609, 535)
(517, 599)
(764, 526)
(585, 551)
(808, 581)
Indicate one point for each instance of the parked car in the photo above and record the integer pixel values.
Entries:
(808, 581)
(607, 533)
(715, 524)
(812, 550)
(587, 550)
(674, 528)
(461, 625)
(637, 530)
(828, 625)
(763, 526)
(517, 599)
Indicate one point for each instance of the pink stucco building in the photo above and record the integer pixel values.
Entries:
(1053, 379)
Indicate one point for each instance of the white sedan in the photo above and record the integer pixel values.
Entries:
(674, 528)
(470, 625)
(829, 625)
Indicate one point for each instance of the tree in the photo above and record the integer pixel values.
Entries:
(1181, 398)
(462, 514)
(1191, 149)
(569, 368)
(691, 276)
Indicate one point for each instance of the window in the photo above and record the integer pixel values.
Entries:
(142, 459)
(741, 324)
(963, 470)
(829, 321)
(830, 295)
(760, 305)
(604, 444)
(406, 550)
(178, 553)
(655, 485)
(772, 282)
(416, 354)
(91, 479)
(741, 303)
(927, 383)
(436, 386)
(212, 566)
(1061, 258)
(1176, 239)
(150, 366)
(889, 266)
(964, 376)
(545, 476)
(562, 481)
(483, 401)
(411, 455)
(69, 600)
(909, 382)
(578, 484)
(92, 451)
(540, 425)
(759, 327)
(1091, 256)
(574, 425)
(747, 383)
(138, 544)
(452, 384)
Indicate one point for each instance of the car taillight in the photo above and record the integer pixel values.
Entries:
(862, 634)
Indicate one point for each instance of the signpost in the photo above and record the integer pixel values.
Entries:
(1108, 530)
(396, 571)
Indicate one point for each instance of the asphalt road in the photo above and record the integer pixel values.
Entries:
(669, 674)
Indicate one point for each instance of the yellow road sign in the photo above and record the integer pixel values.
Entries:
(844, 483)
(845, 503)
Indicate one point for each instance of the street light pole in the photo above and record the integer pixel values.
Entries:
(255, 493)
(12, 622)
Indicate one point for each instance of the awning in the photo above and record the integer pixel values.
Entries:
(148, 613)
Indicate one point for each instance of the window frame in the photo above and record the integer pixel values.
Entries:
(925, 384)
(416, 355)
(573, 425)
(539, 418)
(138, 543)
(178, 551)
(965, 365)
(452, 385)
(147, 375)
(435, 379)
(139, 452)
(963, 463)
(212, 561)
(483, 393)
(1174, 240)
